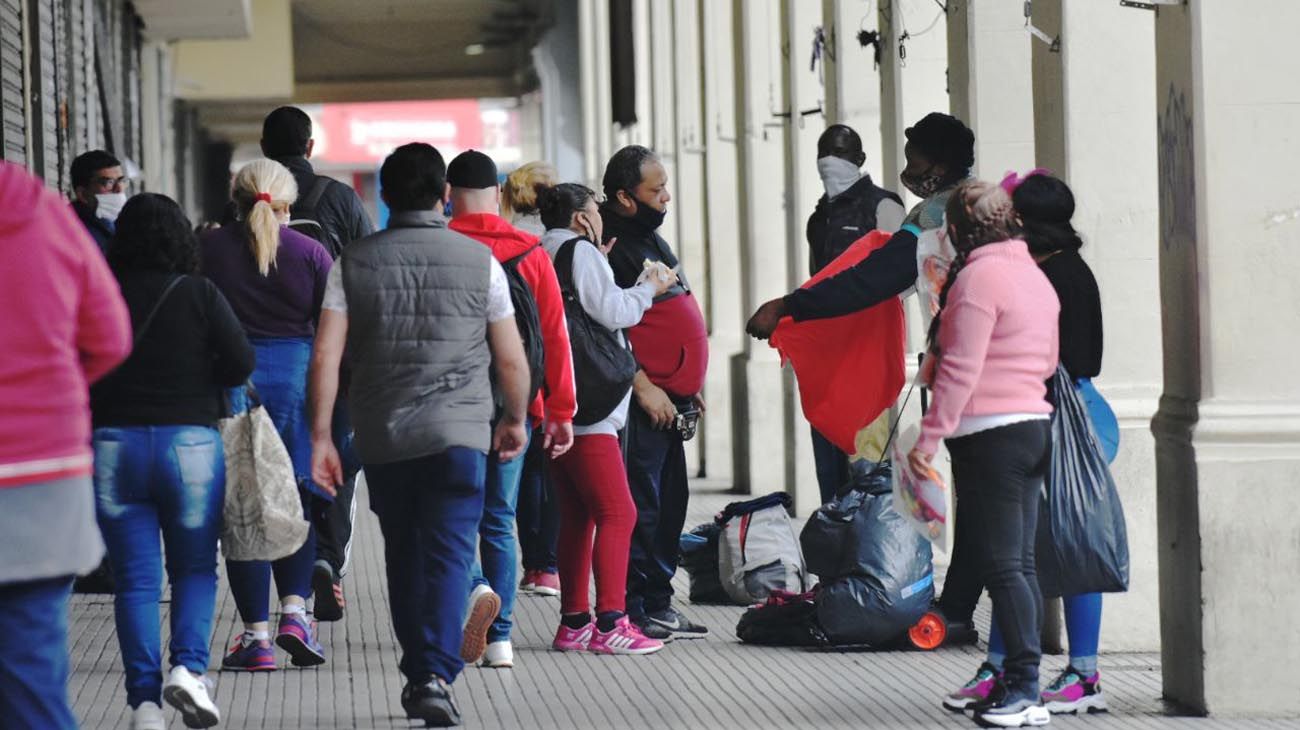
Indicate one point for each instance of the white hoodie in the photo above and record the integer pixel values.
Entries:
(605, 302)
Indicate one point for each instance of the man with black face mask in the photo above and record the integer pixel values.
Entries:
(672, 350)
(852, 207)
(940, 152)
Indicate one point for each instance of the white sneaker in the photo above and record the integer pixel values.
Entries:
(499, 655)
(484, 605)
(188, 692)
(148, 716)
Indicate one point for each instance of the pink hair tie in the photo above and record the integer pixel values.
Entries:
(1013, 180)
(263, 196)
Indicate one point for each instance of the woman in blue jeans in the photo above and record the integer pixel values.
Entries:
(275, 280)
(159, 467)
(1046, 205)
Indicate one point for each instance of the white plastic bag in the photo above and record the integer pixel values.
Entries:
(924, 500)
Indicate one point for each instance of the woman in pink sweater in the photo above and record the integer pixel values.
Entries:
(995, 344)
(64, 327)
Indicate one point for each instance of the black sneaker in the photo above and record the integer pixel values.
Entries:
(651, 629)
(329, 592)
(431, 702)
(1011, 708)
(676, 623)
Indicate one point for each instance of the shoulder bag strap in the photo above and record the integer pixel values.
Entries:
(148, 320)
(317, 192)
(564, 265)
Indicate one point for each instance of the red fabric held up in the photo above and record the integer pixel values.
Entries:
(850, 368)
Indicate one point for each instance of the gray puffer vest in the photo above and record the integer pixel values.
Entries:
(417, 298)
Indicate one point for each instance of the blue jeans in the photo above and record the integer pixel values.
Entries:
(429, 510)
(34, 654)
(159, 486)
(281, 381)
(498, 563)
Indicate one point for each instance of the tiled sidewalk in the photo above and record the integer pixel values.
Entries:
(715, 682)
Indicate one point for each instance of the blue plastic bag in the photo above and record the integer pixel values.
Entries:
(1082, 540)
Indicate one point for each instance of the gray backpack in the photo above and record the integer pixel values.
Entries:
(758, 550)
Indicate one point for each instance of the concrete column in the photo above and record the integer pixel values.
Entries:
(760, 397)
(1095, 128)
(802, 189)
(990, 83)
(720, 278)
(851, 79)
(1228, 430)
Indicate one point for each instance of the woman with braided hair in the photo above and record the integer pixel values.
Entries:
(994, 343)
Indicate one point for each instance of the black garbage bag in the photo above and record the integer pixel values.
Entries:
(784, 619)
(1082, 540)
(699, 549)
(877, 574)
(829, 540)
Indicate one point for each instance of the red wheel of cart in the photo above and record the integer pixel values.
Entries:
(929, 632)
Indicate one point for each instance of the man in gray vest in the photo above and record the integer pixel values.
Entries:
(424, 312)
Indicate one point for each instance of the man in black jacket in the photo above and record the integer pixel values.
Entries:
(286, 138)
(98, 193)
(852, 207)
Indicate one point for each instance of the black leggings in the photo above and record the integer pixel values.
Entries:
(999, 474)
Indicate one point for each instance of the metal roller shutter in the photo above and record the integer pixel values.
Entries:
(45, 114)
(13, 108)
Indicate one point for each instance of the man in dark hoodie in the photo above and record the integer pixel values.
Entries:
(671, 346)
(852, 207)
(287, 139)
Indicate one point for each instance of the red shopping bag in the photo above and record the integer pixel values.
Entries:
(850, 368)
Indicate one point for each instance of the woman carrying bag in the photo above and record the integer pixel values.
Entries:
(159, 468)
(995, 344)
(590, 479)
(1045, 206)
(275, 280)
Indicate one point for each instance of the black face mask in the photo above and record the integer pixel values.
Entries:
(647, 216)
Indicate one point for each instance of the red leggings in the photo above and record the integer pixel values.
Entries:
(591, 484)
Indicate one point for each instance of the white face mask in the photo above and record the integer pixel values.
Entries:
(109, 205)
(837, 175)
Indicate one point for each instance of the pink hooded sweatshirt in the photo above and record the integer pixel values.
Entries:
(64, 325)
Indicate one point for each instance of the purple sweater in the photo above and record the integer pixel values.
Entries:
(284, 303)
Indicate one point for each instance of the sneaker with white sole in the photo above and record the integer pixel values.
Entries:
(1071, 692)
(188, 692)
(499, 655)
(148, 716)
(484, 606)
(567, 639)
(1015, 708)
(624, 638)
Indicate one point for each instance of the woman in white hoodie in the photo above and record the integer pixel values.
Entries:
(591, 479)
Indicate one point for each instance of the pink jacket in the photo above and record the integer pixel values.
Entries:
(998, 341)
(63, 326)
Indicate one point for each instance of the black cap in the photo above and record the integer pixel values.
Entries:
(472, 169)
(943, 138)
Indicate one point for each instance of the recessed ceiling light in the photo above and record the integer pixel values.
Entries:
(474, 49)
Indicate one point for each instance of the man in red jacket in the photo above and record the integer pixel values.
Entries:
(476, 201)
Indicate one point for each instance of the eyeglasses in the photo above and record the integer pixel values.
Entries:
(112, 183)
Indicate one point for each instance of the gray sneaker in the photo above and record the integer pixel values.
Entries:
(677, 624)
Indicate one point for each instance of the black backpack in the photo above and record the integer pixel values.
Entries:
(530, 328)
(306, 220)
(603, 367)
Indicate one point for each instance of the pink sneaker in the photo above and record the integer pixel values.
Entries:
(626, 638)
(546, 584)
(567, 639)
